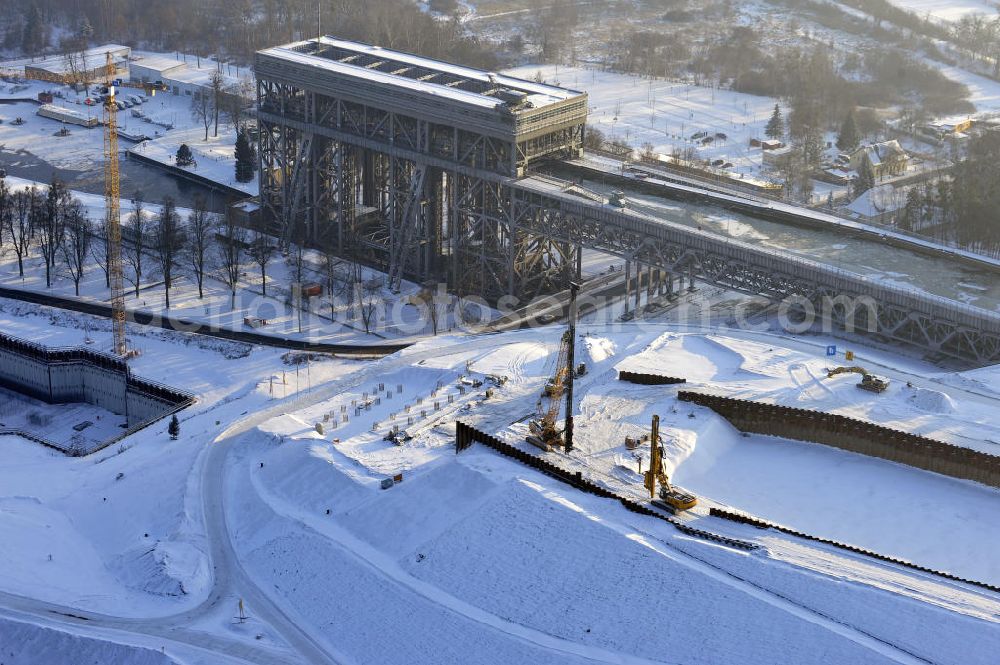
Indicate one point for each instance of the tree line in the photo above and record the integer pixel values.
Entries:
(50, 223)
(237, 28)
(162, 244)
(962, 206)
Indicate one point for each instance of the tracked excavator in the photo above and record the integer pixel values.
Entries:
(669, 497)
(870, 382)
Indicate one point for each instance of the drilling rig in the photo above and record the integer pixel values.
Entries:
(544, 431)
(671, 498)
(112, 221)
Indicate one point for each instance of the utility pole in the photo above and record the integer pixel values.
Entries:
(571, 362)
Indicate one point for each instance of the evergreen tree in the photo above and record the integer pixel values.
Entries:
(849, 137)
(244, 157)
(33, 38)
(174, 429)
(776, 125)
(864, 181)
(184, 156)
(912, 211)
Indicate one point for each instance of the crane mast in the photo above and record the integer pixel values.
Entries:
(112, 221)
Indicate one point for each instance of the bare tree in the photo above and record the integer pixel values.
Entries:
(217, 83)
(50, 227)
(167, 243)
(6, 211)
(369, 297)
(234, 100)
(18, 224)
(230, 248)
(137, 230)
(261, 251)
(432, 302)
(199, 240)
(77, 242)
(99, 252)
(201, 109)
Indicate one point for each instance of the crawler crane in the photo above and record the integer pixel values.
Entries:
(670, 498)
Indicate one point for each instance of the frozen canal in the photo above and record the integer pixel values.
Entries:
(888, 264)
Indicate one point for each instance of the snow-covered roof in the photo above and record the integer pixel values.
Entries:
(880, 152)
(385, 66)
(94, 57)
(879, 200)
(158, 63)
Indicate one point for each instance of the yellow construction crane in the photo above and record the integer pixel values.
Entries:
(112, 220)
(671, 498)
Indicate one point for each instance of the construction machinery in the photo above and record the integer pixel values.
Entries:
(544, 431)
(671, 498)
(871, 382)
(617, 199)
(112, 220)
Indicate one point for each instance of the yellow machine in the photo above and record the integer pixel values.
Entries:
(871, 382)
(543, 428)
(670, 498)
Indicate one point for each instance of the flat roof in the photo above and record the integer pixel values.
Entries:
(160, 63)
(425, 75)
(94, 57)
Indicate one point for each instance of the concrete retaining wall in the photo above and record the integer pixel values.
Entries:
(853, 435)
(72, 374)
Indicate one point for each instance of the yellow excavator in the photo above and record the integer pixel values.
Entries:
(871, 382)
(671, 498)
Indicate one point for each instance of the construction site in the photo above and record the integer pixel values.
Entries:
(512, 491)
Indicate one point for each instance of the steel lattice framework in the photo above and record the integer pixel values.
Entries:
(420, 167)
(540, 206)
(402, 161)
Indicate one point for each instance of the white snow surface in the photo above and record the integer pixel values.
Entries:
(666, 113)
(476, 558)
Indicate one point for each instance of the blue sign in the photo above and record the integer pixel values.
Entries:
(831, 350)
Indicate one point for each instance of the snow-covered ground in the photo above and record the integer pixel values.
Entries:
(475, 557)
(950, 11)
(666, 114)
(57, 423)
(331, 318)
(477, 536)
(214, 158)
(80, 150)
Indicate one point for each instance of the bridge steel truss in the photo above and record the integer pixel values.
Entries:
(851, 302)
(407, 178)
(416, 187)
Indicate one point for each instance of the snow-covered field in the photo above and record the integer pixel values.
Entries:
(950, 11)
(666, 114)
(78, 151)
(476, 558)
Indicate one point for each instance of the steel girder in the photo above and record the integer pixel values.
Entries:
(852, 302)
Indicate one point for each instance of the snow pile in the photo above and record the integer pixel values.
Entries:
(931, 401)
